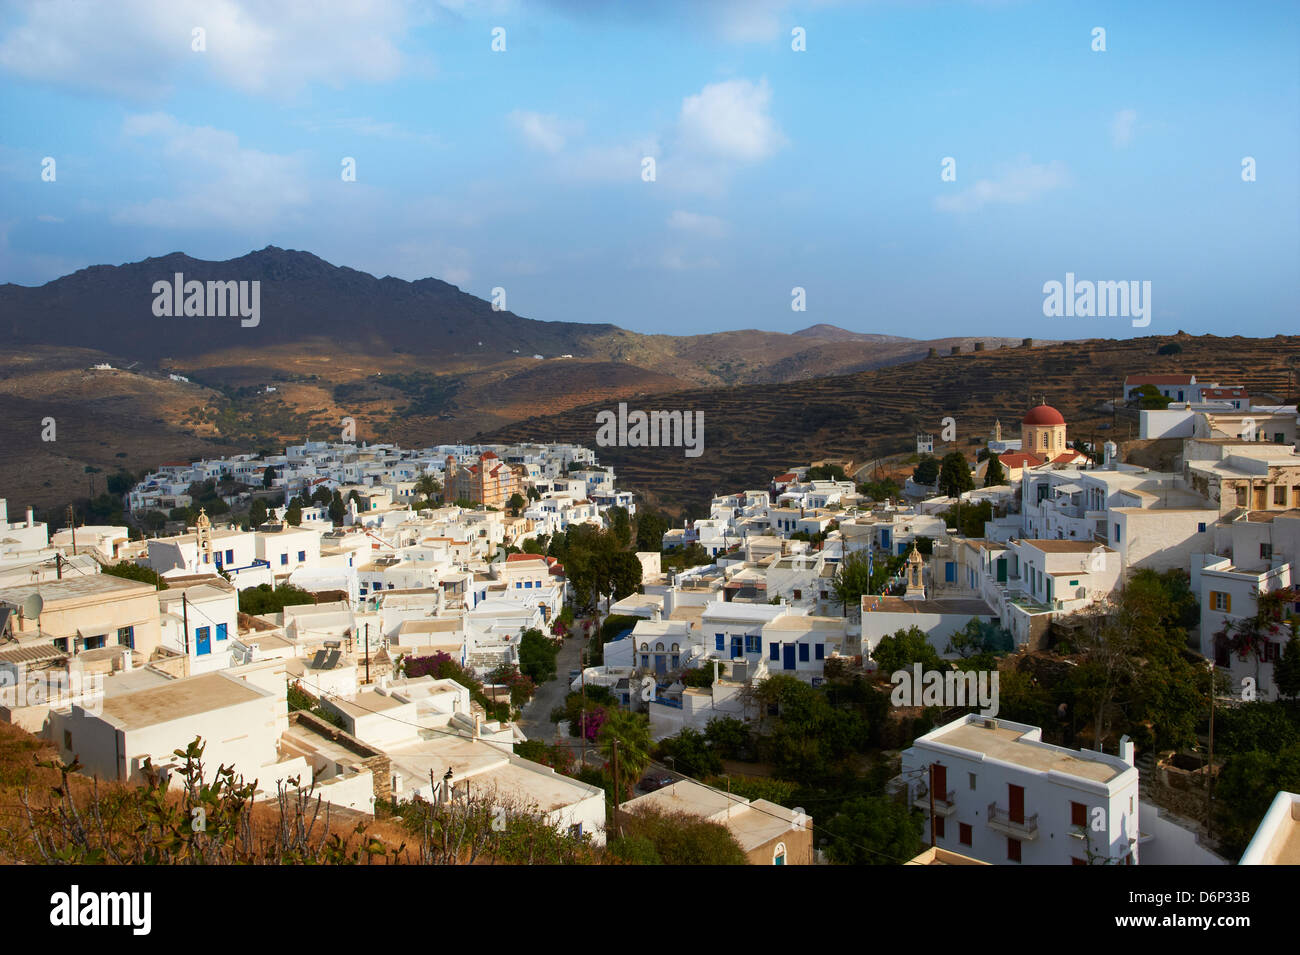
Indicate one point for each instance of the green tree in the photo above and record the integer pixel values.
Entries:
(826, 472)
(995, 474)
(620, 526)
(338, 510)
(631, 732)
(873, 830)
(954, 475)
(120, 483)
(129, 571)
(729, 737)
(516, 503)
(427, 487)
(650, 529)
(678, 838)
(257, 513)
(927, 471)
(537, 655)
(268, 476)
(1149, 398)
(1287, 672)
(262, 599)
(294, 514)
(852, 579)
(689, 754)
(904, 648)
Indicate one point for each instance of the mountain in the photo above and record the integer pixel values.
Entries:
(302, 298)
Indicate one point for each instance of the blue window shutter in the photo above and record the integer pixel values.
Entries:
(722, 641)
(803, 653)
(221, 631)
(821, 651)
(774, 652)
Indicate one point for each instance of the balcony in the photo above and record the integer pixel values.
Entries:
(944, 803)
(999, 820)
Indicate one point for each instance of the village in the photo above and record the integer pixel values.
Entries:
(378, 625)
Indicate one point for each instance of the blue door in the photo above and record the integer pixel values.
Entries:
(788, 651)
(203, 641)
(661, 663)
(735, 647)
(884, 539)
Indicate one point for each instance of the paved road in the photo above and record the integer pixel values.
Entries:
(536, 718)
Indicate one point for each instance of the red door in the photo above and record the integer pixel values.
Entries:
(940, 781)
(1016, 798)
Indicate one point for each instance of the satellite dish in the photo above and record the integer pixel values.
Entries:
(33, 606)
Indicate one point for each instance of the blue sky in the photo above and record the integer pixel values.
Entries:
(775, 168)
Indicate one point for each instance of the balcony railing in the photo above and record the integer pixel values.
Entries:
(945, 804)
(1000, 820)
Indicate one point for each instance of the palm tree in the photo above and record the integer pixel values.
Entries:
(632, 733)
(427, 486)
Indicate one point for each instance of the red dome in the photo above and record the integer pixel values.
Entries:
(1043, 414)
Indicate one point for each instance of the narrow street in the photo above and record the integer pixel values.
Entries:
(536, 718)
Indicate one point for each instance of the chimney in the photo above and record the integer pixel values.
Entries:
(1126, 749)
(4, 512)
(478, 726)
(31, 517)
(716, 664)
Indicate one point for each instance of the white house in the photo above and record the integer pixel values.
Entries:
(1003, 796)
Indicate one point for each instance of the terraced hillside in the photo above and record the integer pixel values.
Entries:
(754, 431)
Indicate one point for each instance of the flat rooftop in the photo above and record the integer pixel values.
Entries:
(177, 700)
(1008, 745)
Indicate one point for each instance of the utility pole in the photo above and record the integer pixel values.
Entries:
(58, 566)
(583, 718)
(367, 652)
(618, 823)
(185, 622)
(931, 787)
(1209, 766)
(73, 525)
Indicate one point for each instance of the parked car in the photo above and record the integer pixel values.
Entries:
(655, 782)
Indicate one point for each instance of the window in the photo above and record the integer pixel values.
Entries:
(1265, 551)
(752, 643)
(93, 643)
(938, 827)
(798, 594)
(302, 556)
(645, 661)
(803, 653)
(1241, 497)
(1279, 495)
(126, 637)
(67, 739)
(964, 833)
(972, 780)
(284, 560)
(1220, 601)
(221, 631)
(1116, 536)
(721, 641)
(230, 557)
(1013, 850)
(774, 652)
(1200, 528)
(778, 854)
(1078, 814)
(820, 649)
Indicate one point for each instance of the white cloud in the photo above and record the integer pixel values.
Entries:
(139, 48)
(1018, 182)
(543, 131)
(730, 120)
(710, 227)
(218, 181)
(1121, 127)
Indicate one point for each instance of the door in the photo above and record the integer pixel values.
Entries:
(1016, 800)
(940, 776)
(661, 663)
(884, 540)
(788, 652)
(735, 648)
(202, 641)
(1002, 570)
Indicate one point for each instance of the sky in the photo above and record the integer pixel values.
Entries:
(822, 168)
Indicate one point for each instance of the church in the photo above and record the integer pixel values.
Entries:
(1042, 444)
